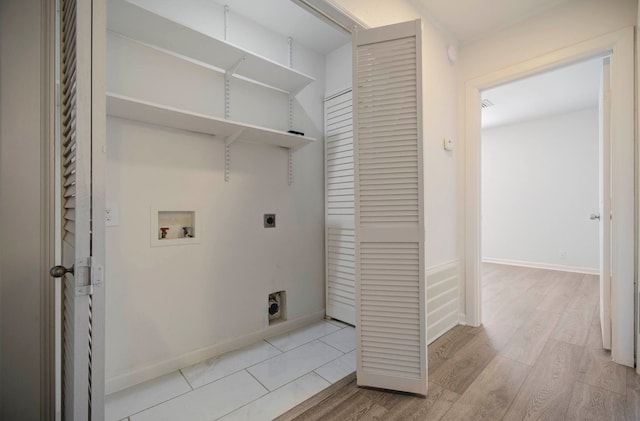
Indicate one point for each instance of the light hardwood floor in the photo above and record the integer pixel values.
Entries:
(538, 356)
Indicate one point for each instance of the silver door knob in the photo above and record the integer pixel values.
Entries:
(595, 216)
(60, 271)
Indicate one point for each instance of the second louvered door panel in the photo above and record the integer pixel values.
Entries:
(340, 253)
(390, 276)
(76, 202)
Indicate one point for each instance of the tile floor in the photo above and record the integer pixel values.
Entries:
(255, 383)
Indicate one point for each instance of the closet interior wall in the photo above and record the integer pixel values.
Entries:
(168, 307)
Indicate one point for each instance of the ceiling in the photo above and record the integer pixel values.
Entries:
(468, 20)
(289, 19)
(558, 91)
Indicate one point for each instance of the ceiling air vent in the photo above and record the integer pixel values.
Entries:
(486, 104)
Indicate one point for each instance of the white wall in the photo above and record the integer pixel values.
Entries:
(21, 172)
(439, 117)
(170, 306)
(339, 69)
(539, 186)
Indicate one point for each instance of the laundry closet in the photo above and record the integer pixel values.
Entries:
(216, 213)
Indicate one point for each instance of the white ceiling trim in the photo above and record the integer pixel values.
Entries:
(332, 14)
(471, 20)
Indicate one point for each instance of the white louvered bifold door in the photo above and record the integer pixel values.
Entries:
(340, 219)
(390, 276)
(83, 304)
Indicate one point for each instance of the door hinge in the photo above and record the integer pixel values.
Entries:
(87, 275)
(97, 273)
(82, 277)
(84, 290)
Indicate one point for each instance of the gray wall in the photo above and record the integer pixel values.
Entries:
(20, 208)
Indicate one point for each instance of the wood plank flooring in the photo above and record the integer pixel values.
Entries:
(538, 356)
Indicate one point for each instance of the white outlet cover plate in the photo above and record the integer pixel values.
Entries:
(449, 145)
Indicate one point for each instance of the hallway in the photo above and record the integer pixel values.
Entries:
(537, 355)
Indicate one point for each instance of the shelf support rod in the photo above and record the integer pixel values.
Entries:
(291, 96)
(227, 86)
(226, 22)
(227, 152)
(290, 177)
(227, 162)
(290, 112)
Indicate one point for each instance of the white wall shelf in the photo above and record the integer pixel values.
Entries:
(228, 130)
(150, 28)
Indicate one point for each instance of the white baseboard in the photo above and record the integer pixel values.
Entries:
(538, 265)
(143, 374)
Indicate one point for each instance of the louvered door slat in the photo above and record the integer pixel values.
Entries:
(341, 181)
(341, 141)
(341, 159)
(384, 92)
(339, 191)
(343, 290)
(338, 119)
(383, 137)
(339, 134)
(389, 244)
(341, 119)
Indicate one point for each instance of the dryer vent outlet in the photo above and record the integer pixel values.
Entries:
(276, 307)
(269, 220)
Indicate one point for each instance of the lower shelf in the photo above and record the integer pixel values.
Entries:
(161, 115)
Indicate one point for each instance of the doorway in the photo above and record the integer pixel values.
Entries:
(540, 185)
(620, 44)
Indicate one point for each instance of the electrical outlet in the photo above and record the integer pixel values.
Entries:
(111, 214)
(563, 254)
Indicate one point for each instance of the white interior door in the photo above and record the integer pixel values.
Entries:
(391, 346)
(605, 202)
(82, 165)
(339, 199)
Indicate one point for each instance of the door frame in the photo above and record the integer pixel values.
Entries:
(621, 45)
(49, 314)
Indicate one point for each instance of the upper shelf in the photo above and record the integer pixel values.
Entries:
(149, 112)
(146, 26)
